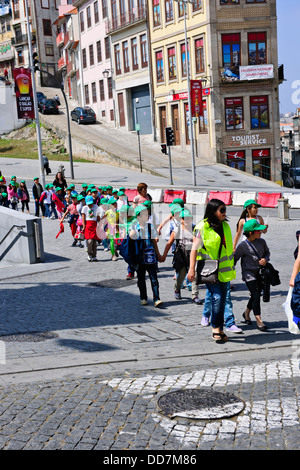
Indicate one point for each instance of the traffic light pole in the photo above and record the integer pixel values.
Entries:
(37, 120)
(170, 165)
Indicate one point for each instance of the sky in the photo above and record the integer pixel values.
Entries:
(288, 23)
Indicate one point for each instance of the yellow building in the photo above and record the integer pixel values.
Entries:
(233, 50)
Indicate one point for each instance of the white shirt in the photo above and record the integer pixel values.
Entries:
(91, 213)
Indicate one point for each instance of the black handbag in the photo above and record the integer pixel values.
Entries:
(207, 269)
(268, 271)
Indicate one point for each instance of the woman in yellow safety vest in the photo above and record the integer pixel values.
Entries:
(208, 234)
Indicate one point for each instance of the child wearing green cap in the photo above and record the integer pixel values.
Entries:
(253, 253)
(250, 212)
(13, 195)
(145, 233)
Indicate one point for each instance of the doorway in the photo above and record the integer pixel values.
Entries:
(175, 124)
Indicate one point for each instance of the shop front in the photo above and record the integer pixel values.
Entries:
(261, 163)
(237, 160)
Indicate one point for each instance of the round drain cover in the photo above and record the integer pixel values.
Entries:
(200, 404)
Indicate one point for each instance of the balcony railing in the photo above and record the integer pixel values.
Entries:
(126, 19)
(61, 63)
(60, 39)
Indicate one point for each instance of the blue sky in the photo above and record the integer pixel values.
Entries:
(288, 23)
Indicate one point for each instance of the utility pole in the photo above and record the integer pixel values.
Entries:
(37, 120)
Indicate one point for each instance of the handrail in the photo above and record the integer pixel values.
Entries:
(19, 227)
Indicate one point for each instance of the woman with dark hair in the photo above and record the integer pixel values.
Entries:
(249, 213)
(60, 182)
(213, 240)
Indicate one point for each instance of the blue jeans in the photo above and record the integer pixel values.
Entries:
(141, 280)
(218, 304)
(47, 210)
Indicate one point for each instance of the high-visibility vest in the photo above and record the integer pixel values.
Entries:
(210, 246)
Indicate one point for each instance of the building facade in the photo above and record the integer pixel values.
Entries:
(232, 50)
(6, 48)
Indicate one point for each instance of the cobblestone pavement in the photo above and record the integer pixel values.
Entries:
(95, 380)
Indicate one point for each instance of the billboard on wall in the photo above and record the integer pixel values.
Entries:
(196, 98)
(24, 94)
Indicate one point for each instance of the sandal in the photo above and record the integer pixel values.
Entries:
(219, 337)
(247, 320)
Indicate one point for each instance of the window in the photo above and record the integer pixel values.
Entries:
(197, 5)
(107, 48)
(91, 52)
(49, 50)
(231, 50)
(234, 114)
(104, 8)
(159, 66)
(259, 111)
(172, 63)
(156, 13)
(199, 52)
(257, 48)
(180, 9)
(96, 12)
(16, 9)
(99, 52)
(45, 4)
(229, 2)
(169, 10)
(125, 56)
(118, 59)
(183, 59)
(86, 94)
(94, 93)
(84, 64)
(81, 21)
(47, 28)
(144, 50)
(110, 90)
(236, 159)
(101, 90)
(261, 163)
(134, 54)
(20, 56)
(203, 120)
(88, 17)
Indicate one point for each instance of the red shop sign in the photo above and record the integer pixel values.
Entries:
(233, 155)
(261, 153)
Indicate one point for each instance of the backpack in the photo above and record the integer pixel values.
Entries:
(131, 250)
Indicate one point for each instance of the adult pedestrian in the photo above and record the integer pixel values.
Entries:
(213, 240)
(254, 253)
(250, 212)
(60, 182)
(37, 190)
(142, 195)
(46, 165)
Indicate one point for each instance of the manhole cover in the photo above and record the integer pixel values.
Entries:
(200, 404)
(112, 283)
(28, 337)
(236, 181)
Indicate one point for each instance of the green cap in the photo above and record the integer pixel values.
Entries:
(103, 200)
(112, 200)
(13, 176)
(252, 225)
(58, 188)
(72, 185)
(80, 197)
(122, 188)
(4, 194)
(12, 183)
(22, 181)
(147, 204)
(179, 201)
(139, 209)
(84, 185)
(175, 208)
(185, 213)
(108, 187)
(251, 202)
(120, 193)
(36, 178)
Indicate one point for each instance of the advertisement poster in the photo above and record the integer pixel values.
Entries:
(24, 95)
(196, 98)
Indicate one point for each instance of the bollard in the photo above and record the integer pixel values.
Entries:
(283, 208)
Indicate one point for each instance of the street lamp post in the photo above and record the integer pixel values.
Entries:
(189, 96)
(37, 120)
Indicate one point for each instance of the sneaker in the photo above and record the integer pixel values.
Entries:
(158, 303)
(106, 249)
(234, 329)
(74, 243)
(114, 258)
(197, 301)
(130, 276)
(144, 302)
(189, 287)
(177, 295)
(205, 321)
(95, 259)
(89, 258)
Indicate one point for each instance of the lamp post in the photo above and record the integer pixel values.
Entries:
(37, 120)
(189, 94)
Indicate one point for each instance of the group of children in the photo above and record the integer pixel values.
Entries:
(13, 193)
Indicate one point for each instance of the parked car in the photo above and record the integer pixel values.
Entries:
(48, 106)
(83, 115)
(40, 96)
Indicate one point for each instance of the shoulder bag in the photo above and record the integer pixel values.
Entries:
(268, 271)
(207, 269)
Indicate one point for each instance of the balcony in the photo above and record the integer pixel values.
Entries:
(126, 19)
(61, 63)
(60, 39)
